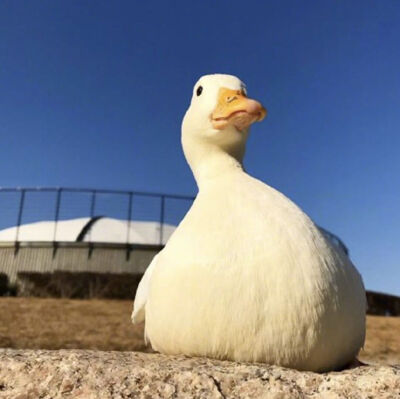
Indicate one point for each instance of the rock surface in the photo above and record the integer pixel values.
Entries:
(29, 374)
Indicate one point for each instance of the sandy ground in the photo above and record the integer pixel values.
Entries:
(105, 324)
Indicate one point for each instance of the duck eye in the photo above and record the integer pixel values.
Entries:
(199, 90)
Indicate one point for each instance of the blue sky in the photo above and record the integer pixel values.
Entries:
(92, 95)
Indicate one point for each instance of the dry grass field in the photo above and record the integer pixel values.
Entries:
(105, 324)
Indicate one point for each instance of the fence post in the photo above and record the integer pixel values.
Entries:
(129, 217)
(92, 207)
(20, 211)
(162, 211)
(56, 217)
(128, 226)
(57, 213)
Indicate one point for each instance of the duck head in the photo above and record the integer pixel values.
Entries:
(216, 125)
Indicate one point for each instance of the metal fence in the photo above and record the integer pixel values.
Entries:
(19, 206)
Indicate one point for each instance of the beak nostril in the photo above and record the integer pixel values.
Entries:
(230, 99)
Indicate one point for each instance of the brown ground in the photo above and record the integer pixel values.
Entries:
(105, 324)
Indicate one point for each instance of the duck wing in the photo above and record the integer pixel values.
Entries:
(142, 292)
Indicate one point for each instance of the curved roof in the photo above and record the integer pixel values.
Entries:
(335, 240)
(97, 229)
(67, 230)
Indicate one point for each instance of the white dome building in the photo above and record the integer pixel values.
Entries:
(97, 229)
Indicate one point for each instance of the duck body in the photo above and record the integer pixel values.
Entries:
(247, 276)
(248, 286)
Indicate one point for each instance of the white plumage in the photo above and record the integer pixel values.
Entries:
(247, 276)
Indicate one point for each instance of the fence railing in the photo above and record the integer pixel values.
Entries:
(19, 206)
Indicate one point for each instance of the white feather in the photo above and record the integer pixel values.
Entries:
(142, 292)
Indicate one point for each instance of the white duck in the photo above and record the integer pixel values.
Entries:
(247, 276)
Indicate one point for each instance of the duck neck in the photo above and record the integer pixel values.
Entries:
(210, 162)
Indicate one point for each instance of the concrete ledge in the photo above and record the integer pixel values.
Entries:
(26, 374)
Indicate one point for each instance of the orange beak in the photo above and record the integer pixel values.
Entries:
(234, 108)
